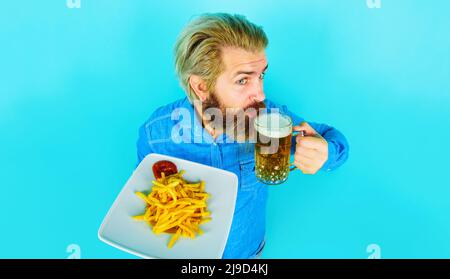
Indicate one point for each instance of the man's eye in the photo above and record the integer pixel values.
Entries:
(242, 81)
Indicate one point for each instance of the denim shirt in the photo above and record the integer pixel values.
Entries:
(194, 143)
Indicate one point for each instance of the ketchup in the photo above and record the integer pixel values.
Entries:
(167, 167)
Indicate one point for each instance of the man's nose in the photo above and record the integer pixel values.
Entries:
(259, 95)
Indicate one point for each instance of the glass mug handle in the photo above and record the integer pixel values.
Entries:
(295, 133)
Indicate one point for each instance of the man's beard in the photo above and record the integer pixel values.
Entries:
(237, 123)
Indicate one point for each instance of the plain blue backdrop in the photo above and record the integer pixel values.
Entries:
(75, 84)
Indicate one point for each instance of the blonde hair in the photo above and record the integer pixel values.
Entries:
(198, 47)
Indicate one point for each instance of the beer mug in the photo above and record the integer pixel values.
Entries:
(273, 147)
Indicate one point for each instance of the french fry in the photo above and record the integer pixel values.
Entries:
(174, 238)
(175, 206)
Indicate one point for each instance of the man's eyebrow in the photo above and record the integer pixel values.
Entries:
(251, 72)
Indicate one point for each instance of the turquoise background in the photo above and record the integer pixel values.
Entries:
(75, 84)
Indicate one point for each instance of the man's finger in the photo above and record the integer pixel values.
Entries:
(310, 142)
(304, 160)
(306, 128)
(306, 169)
(307, 152)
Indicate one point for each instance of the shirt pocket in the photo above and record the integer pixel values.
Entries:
(248, 179)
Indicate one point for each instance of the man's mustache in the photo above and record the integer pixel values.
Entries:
(256, 106)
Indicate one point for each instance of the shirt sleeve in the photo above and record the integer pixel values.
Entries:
(338, 147)
(143, 146)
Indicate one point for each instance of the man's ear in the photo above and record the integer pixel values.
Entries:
(199, 86)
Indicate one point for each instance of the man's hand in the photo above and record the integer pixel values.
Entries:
(311, 151)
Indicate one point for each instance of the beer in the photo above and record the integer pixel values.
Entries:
(273, 147)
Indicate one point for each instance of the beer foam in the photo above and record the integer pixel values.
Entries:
(273, 125)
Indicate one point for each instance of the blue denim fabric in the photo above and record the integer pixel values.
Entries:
(247, 233)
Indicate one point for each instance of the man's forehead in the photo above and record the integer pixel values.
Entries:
(238, 59)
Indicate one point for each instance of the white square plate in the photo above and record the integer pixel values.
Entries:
(121, 231)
